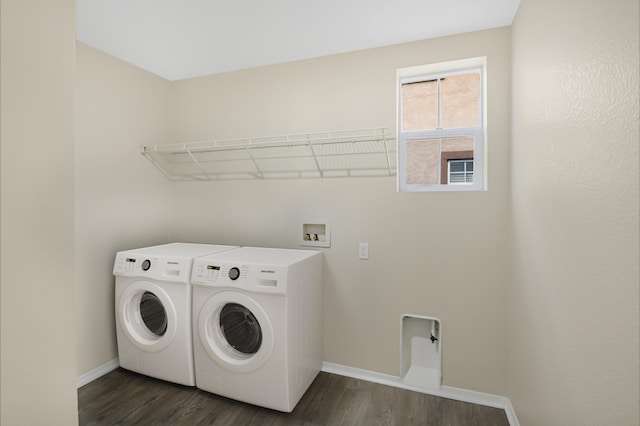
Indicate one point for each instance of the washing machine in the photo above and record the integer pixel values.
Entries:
(257, 324)
(153, 309)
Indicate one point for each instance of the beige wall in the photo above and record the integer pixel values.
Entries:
(37, 345)
(431, 254)
(573, 336)
(121, 199)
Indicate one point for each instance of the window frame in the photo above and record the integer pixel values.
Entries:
(438, 71)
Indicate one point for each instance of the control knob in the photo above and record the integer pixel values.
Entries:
(234, 273)
(146, 265)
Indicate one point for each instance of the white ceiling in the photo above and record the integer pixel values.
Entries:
(179, 39)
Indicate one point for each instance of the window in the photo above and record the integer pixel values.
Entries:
(441, 127)
(460, 171)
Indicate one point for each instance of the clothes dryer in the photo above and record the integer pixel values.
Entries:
(153, 309)
(257, 324)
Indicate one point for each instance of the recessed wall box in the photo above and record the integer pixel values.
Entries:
(421, 351)
(315, 234)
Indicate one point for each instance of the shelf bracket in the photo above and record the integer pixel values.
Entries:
(315, 158)
(255, 163)
(197, 163)
(386, 150)
(156, 164)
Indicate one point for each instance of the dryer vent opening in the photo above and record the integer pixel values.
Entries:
(421, 351)
(153, 314)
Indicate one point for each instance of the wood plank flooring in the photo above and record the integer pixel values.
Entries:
(125, 398)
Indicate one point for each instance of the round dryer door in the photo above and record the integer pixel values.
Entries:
(235, 331)
(147, 316)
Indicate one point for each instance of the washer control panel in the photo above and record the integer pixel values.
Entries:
(165, 269)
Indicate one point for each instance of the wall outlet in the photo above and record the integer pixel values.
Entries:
(363, 251)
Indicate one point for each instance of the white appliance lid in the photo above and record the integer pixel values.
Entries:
(263, 256)
(181, 250)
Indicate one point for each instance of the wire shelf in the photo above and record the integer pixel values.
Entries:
(345, 153)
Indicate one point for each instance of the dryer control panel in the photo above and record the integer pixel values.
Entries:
(158, 268)
(259, 278)
(208, 273)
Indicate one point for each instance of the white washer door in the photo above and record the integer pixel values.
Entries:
(235, 331)
(147, 316)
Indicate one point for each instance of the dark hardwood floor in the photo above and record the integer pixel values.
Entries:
(125, 398)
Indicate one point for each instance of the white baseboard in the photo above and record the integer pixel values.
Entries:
(463, 395)
(97, 372)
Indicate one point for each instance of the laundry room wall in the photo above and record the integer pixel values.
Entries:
(574, 327)
(439, 254)
(37, 286)
(121, 202)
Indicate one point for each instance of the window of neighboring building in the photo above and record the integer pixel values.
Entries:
(441, 126)
(460, 171)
